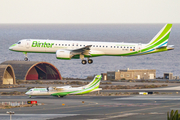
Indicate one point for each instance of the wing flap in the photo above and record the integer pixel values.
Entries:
(81, 50)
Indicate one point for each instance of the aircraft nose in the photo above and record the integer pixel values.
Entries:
(27, 93)
(12, 46)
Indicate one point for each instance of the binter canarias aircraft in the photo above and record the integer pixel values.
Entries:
(65, 49)
(67, 90)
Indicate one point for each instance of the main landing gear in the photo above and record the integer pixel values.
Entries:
(90, 61)
(60, 96)
(84, 61)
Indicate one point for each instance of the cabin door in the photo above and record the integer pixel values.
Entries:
(27, 43)
(139, 47)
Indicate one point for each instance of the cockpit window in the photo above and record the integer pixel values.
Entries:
(30, 90)
(19, 43)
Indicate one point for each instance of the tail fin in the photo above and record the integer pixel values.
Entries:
(95, 82)
(91, 87)
(161, 39)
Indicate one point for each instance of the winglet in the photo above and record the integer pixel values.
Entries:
(161, 39)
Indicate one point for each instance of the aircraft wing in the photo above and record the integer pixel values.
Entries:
(62, 88)
(83, 50)
(68, 86)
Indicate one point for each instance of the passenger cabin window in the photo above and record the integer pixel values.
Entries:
(68, 44)
(84, 45)
(65, 44)
(72, 44)
(111, 46)
(106, 46)
(117, 46)
(93, 45)
(96, 45)
(80, 45)
(62, 44)
(59, 44)
(127, 47)
(114, 46)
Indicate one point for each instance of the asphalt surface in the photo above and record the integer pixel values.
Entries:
(149, 107)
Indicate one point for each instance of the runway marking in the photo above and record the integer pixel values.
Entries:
(149, 98)
(130, 114)
(82, 110)
(123, 115)
(142, 109)
(6, 89)
(62, 107)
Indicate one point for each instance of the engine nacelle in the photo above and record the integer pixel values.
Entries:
(63, 54)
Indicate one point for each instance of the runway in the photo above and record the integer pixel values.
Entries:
(95, 107)
(162, 89)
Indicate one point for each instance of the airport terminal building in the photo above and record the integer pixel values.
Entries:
(130, 74)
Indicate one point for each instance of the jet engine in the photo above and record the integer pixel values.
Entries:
(63, 54)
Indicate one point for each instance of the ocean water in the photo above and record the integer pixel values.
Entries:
(134, 33)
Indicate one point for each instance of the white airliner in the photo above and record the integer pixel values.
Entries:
(67, 90)
(67, 50)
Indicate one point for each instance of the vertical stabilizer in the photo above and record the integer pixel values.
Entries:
(161, 39)
(95, 82)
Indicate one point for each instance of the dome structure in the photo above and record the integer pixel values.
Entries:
(34, 70)
(7, 75)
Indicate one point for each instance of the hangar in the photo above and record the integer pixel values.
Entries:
(7, 75)
(34, 70)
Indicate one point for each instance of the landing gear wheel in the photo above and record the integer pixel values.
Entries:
(83, 62)
(90, 61)
(26, 59)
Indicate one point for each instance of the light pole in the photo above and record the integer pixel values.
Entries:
(10, 113)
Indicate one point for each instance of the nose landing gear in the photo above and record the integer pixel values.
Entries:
(26, 58)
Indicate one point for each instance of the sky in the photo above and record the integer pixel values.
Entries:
(89, 11)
